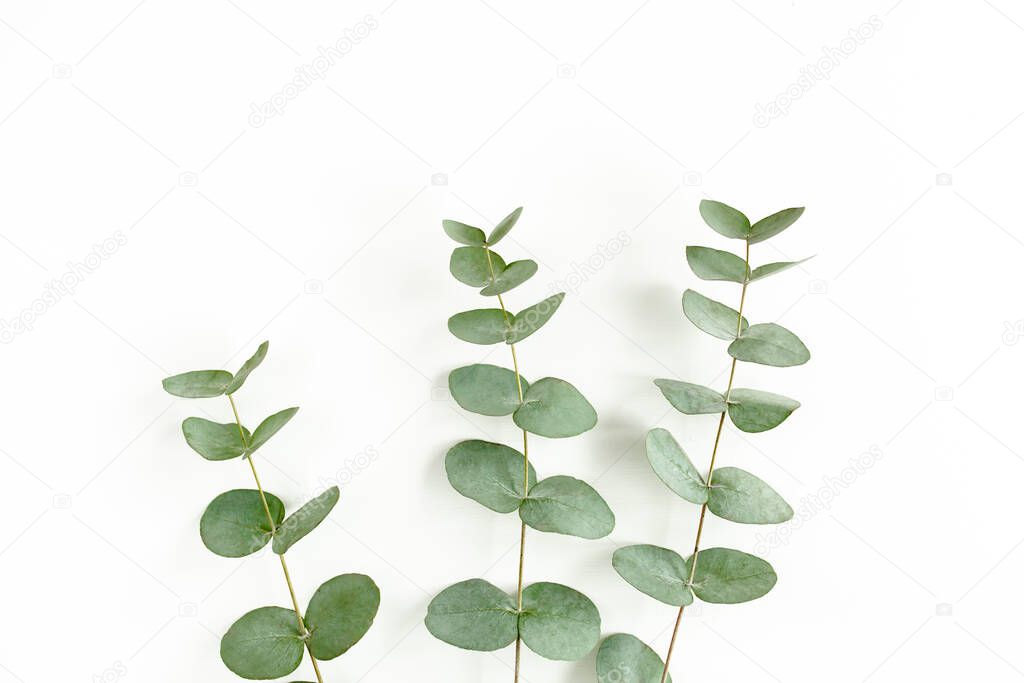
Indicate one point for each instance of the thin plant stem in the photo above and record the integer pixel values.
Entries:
(273, 530)
(711, 467)
(526, 473)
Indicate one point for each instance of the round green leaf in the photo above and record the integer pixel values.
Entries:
(769, 344)
(340, 613)
(623, 658)
(774, 224)
(739, 496)
(729, 576)
(486, 389)
(235, 523)
(772, 268)
(247, 367)
(670, 463)
(514, 274)
(658, 572)
(724, 219)
(554, 408)
(464, 234)
(481, 326)
(503, 228)
(691, 399)
(564, 505)
(489, 473)
(473, 615)
(714, 264)
(265, 643)
(270, 426)
(304, 520)
(558, 622)
(529, 320)
(758, 411)
(212, 440)
(198, 384)
(712, 317)
(469, 265)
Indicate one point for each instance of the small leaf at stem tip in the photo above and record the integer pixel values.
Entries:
(624, 658)
(481, 326)
(489, 473)
(564, 505)
(558, 622)
(724, 219)
(726, 576)
(714, 264)
(247, 367)
(739, 496)
(486, 389)
(769, 344)
(712, 317)
(658, 572)
(670, 462)
(464, 234)
(340, 613)
(214, 441)
(198, 383)
(264, 643)
(503, 228)
(691, 399)
(774, 224)
(469, 265)
(758, 411)
(531, 319)
(514, 274)
(555, 409)
(235, 523)
(767, 269)
(473, 615)
(304, 520)
(270, 426)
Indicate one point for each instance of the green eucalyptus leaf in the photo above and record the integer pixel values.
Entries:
(564, 505)
(727, 576)
(198, 384)
(531, 319)
(712, 317)
(503, 228)
(658, 572)
(774, 224)
(304, 520)
(486, 389)
(769, 344)
(758, 411)
(235, 523)
(556, 409)
(691, 399)
(714, 264)
(724, 219)
(489, 473)
(212, 440)
(270, 426)
(265, 643)
(670, 463)
(624, 658)
(340, 613)
(473, 615)
(247, 367)
(558, 622)
(469, 265)
(464, 234)
(481, 326)
(739, 496)
(514, 274)
(771, 268)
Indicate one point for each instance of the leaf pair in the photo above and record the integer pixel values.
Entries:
(216, 441)
(556, 621)
(474, 237)
(210, 383)
(493, 325)
(749, 409)
(268, 642)
(550, 407)
(732, 223)
(715, 264)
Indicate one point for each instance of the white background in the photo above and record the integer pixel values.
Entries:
(320, 230)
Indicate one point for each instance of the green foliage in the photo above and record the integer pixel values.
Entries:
(624, 658)
(270, 426)
(711, 317)
(671, 464)
(556, 409)
(198, 384)
(214, 441)
(264, 643)
(739, 496)
(514, 274)
(473, 615)
(659, 572)
(489, 473)
(469, 265)
(769, 344)
(304, 520)
(235, 523)
(558, 622)
(691, 399)
(565, 505)
(340, 613)
(713, 264)
(758, 411)
(486, 389)
(729, 576)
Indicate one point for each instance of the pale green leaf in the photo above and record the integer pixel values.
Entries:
(758, 411)
(670, 463)
(247, 367)
(486, 389)
(304, 520)
(769, 344)
(712, 317)
(691, 399)
(269, 427)
(724, 219)
(739, 496)
(558, 622)
(212, 440)
(489, 473)
(340, 613)
(714, 264)
(473, 615)
(480, 326)
(774, 224)
(729, 576)
(624, 658)
(564, 505)
(514, 274)
(777, 267)
(464, 234)
(531, 319)
(265, 643)
(198, 384)
(556, 409)
(658, 572)
(235, 523)
(469, 265)
(503, 228)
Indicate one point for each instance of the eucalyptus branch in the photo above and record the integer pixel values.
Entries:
(241, 522)
(553, 620)
(715, 575)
